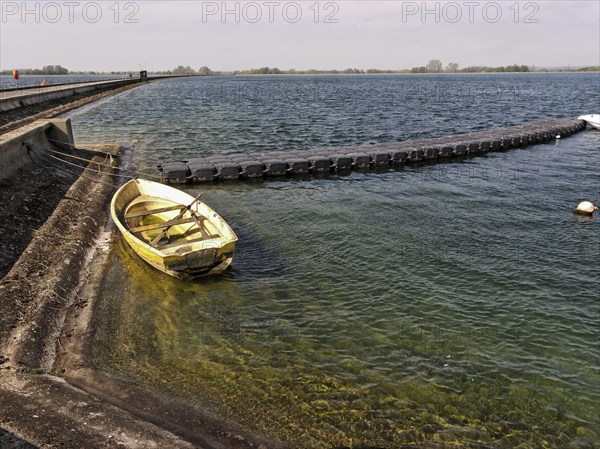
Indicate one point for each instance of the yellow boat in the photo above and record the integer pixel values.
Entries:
(171, 230)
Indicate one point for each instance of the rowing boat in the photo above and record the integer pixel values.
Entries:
(171, 230)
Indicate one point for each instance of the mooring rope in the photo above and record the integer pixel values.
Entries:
(31, 151)
(104, 164)
(30, 147)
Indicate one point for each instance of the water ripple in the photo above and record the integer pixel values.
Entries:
(453, 303)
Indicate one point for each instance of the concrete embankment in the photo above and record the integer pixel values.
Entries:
(52, 133)
(48, 107)
(41, 302)
(341, 160)
(17, 98)
(56, 219)
(50, 391)
(37, 297)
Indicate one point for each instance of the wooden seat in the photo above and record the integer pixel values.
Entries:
(164, 224)
(144, 213)
(187, 242)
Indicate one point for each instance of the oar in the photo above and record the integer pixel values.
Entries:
(166, 230)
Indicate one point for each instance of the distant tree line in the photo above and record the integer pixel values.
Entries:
(181, 70)
(583, 69)
(276, 71)
(433, 66)
(46, 70)
(436, 66)
(508, 68)
(60, 70)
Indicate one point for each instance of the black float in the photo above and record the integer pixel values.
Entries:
(319, 161)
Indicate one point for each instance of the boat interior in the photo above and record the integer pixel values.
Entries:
(165, 224)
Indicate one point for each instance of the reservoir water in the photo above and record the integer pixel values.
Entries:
(454, 303)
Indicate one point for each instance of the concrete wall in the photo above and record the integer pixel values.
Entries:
(49, 134)
(16, 99)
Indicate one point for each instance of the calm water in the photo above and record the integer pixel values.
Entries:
(450, 303)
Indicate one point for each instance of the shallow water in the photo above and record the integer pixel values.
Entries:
(440, 303)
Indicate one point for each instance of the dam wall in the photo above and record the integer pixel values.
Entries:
(16, 98)
(50, 134)
(240, 166)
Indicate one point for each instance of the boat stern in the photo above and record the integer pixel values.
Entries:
(210, 260)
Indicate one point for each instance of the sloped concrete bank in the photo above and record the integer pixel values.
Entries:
(36, 296)
(53, 107)
(14, 151)
(17, 98)
(51, 393)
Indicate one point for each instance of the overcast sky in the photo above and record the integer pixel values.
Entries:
(157, 35)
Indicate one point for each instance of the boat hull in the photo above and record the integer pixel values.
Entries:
(185, 267)
(591, 119)
(189, 256)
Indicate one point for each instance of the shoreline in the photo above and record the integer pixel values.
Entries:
(17, 118)
(52, 395)
(51, 390)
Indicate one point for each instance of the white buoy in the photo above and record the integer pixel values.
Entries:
(585, 208)
(558, 136)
